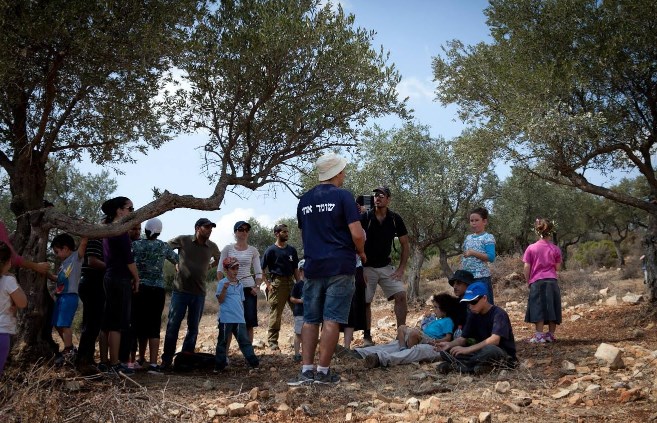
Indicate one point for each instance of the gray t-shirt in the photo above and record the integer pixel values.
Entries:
(68, 277)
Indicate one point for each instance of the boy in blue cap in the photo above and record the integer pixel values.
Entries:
(490, 327)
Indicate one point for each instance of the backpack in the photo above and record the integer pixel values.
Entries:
(189, 361)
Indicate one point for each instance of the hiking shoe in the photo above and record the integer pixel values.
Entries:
(297, 358)
(372, 361)
(482, 369)
(154, 369)
(367, 342)
(444, 368)
(538, 338)
(329, 378)
(121, 368)
(103, 367)
(304, 378)
(549, 337)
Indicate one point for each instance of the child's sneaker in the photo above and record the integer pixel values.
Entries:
(154, 369)
(538, 338)
(549, 337)
(122, 368)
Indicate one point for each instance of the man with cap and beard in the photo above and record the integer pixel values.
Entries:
(197, 254)
(382, 225)
(279, 263)
(332, 236)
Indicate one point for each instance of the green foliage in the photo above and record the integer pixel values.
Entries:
(260, 236)
(596, 254)
(71, 191)
(565, 87)
(275, 82)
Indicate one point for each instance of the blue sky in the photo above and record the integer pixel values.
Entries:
(412, 31)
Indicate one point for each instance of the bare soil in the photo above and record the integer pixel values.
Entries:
(45, 393)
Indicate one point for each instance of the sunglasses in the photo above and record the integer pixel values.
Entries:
(243, 229)
(474, 302)
(380, 195)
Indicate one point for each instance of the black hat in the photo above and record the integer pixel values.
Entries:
(383, 190)
(203, 222)
(461, 276)
(239, 224)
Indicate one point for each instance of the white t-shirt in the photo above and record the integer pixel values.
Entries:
(249, 258)
(8, 285)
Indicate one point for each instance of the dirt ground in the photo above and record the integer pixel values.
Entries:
(540, 389)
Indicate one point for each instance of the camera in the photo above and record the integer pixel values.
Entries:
(366, 202)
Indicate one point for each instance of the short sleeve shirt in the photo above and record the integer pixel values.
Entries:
(439, 328)
(149, 257)
(194, 263)
(380, 235)
(8, 285)
(232, 309)
(68, 277)
(297, 292)
(94, 249)
(249, 261)
(324, 214)
(280, 261)
(542, 257)
(495, 322)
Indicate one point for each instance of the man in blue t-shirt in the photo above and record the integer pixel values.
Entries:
(490, 327)
(332, 236)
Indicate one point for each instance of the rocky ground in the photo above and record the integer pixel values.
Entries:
(603, 368)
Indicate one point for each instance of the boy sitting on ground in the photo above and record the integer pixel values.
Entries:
(434, 328)
(66, 288)
(490, 327)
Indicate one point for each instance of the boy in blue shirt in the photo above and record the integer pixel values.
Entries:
(66, 288)
(230, 294)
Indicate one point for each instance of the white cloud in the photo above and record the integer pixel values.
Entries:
(416, 89)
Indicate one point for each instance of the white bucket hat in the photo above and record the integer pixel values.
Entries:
(329, 165)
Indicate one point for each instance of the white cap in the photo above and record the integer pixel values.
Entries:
(301, 263)
(329, 165)
(154, 226)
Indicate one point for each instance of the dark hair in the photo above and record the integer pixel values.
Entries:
(543, 227)
(5, 253)
(63, 240)
(111, 206)
(480, 211)
(447, 303)
(279, 227)
(151, 236)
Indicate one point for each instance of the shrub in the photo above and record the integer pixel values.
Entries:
(596, 254)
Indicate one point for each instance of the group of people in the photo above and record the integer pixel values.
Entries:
(347, 255)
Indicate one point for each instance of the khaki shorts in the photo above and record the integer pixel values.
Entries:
(381, 276)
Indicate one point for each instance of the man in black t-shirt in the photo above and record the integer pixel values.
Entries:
(279, 265)
(490, 327)
(381, 226)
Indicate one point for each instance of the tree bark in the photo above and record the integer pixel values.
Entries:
(417, 259)
(444, 265)
(619, 252)
(650, 251)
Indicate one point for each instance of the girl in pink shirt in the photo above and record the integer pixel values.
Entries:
(542, 261)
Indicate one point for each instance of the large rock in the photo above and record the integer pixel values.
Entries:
(502, 387)
(611, 355)
(632, 298)
(611, 301)
(236, 409)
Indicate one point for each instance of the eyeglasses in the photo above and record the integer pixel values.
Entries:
(243, 229)
(130, 209)
(380, 195)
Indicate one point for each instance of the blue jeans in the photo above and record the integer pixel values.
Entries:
(328, 299)
(180, 304)
(242, 336)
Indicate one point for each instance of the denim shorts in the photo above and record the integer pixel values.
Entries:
(328, 299)
(64, 311)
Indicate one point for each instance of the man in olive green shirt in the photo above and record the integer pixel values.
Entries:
(197, 255)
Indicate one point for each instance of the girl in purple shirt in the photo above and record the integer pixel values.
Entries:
(542, 261)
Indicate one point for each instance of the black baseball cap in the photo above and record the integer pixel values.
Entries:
(239, 224)
(204, 222)
(461, 276)
(383, 190)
